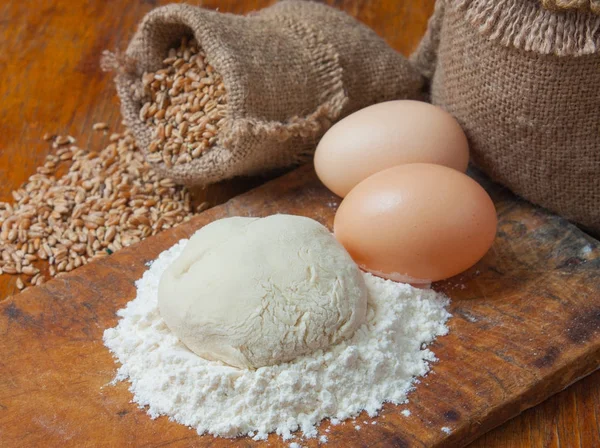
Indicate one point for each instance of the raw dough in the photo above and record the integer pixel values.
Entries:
(253, 292)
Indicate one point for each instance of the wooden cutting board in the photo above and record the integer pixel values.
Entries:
(526, 324)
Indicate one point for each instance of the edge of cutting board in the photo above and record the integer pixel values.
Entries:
(526, 325)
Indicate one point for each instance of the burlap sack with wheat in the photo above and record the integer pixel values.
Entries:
(290, 71)
(524, 82)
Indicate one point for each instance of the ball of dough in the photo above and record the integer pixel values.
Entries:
(253, 292)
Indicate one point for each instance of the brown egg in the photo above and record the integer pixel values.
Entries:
(416, 223)
(385, 135)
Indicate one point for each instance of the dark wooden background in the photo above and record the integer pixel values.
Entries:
(50, 81)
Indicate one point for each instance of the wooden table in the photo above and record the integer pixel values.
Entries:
(51, 82)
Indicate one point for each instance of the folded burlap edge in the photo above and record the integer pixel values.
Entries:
(213, 165)
(527, 25)
(521, 24)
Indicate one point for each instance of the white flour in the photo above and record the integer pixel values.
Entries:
(378, 364)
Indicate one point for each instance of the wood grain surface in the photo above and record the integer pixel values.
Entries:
(52, 82)
(518, 335)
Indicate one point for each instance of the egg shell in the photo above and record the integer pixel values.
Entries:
(385, 135)
(416, 223)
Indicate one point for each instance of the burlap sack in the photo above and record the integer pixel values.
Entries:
(290, 71)
(524, 82)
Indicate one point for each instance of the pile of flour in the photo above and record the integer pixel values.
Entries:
(378, 364)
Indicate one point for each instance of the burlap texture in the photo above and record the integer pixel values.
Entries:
(290, 71)
(523, 82)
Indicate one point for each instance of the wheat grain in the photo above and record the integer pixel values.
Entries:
(99, 126)
(105, 201)
(185, 103)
